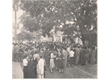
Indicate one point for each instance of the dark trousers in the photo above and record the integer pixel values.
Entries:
(44, 73)
(60, 64)
(44, 70)
(71, 61)
(25, 72)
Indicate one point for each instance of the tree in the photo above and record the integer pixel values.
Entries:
(85, 17)
(47, 14)
(24, 35)
(30, 24)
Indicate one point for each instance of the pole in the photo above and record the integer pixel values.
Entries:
(15, 27)
(16, 9)
(15, 6)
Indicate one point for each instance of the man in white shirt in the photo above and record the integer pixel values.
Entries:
(68, 49)
(71, 54)
(25, 63)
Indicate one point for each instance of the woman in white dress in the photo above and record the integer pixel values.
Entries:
(52, 64)
(40, 67)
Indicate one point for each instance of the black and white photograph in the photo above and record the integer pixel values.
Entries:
(54, 39)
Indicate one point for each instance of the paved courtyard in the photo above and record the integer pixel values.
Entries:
(89, 71)
(16, 71)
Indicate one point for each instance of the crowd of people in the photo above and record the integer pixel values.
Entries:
(37, 57)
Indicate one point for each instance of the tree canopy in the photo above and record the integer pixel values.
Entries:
(69, 16)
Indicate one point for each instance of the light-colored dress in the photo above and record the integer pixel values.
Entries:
(40, 68)
(52, 64)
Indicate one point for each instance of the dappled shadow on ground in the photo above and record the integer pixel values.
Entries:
(79, 71)
(90, 68)
(68, 73)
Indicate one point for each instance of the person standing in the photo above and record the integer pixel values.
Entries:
(25, 52)
(68, 49)
(52, 64)
(71, 54)
(82, 56)
(16, 50)
(47, 58)
(77, 53)
(21, 54)
(60, 61)
(35, 68)
(31, 67)
(40, 68)
(68, 61)
(25, 64)
(86, 55)
(56, 60)
(68, 58)
(92, 56)
(65, 57)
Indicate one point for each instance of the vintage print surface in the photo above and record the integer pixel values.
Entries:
(54, 39)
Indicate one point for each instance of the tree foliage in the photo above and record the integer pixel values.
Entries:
(24, 35)
(47, 14)
(30, 24)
